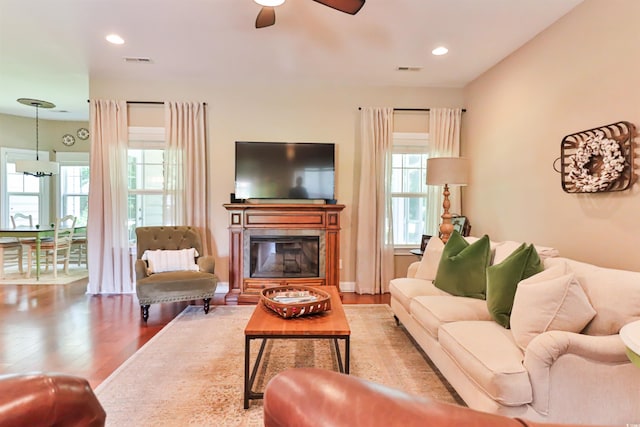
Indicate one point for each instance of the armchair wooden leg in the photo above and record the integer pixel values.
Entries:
(144, 310)
(206, 305)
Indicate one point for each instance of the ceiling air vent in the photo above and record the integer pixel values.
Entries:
(138, 59)
(401, 68)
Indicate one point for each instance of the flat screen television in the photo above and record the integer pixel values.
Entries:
(281, 170)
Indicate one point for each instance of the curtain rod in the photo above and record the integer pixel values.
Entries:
(146, 102)
(464, 110)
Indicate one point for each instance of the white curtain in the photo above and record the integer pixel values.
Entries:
(374, 249)
(185, 168)
(108, 243)
(444, 141)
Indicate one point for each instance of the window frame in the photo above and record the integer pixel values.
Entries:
(80, 158)
(409, 143)
(145, 138)
(8, 154)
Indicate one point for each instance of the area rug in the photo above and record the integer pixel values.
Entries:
(191, 373)
(14, 277)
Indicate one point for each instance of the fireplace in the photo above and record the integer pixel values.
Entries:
(284, 253)
(284, 256)
(281, 245)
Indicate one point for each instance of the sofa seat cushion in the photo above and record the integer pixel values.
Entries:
(433, 311)
(488, 356)
(404, 289)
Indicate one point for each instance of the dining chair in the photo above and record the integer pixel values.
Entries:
(10, 252)
(19, 220)
(79, 249)
(11, 249)
(57, 250)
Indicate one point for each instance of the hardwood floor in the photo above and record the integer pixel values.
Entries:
(60, 328)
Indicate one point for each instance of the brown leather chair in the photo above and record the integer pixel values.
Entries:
(173, 285)
(48, 400)
(309, 397)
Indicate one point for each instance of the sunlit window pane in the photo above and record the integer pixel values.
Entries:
(409, 198)
(146, 185)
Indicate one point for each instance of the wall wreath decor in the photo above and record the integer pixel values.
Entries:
(598, 160)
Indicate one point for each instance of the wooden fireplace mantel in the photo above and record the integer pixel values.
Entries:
(243, 217)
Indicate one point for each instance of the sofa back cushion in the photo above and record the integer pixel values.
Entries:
(505, 248)
(614, 294)
(552, 300)
(463, 267)
(430, 259)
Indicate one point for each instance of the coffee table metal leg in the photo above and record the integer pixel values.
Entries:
(343, 367)
(347, 352)
(250, 379)
(247, 352)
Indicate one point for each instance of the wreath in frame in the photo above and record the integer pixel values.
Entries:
(597, 160)
(613, 163)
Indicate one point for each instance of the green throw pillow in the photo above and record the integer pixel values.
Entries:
(462, 270)
(503, 279)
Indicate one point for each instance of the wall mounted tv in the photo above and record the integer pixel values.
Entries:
(280, 170)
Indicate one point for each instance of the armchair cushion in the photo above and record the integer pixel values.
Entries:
(160, 261)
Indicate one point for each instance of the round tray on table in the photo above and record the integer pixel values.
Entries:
(284, 300)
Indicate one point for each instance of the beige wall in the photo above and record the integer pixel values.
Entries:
(20, 132)
(579, 74)
(267, 113)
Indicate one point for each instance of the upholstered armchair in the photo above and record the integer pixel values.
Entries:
(170, 267)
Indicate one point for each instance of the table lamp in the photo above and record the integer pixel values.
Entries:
(447, 171)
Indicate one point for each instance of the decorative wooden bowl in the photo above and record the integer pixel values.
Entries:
(295, 301)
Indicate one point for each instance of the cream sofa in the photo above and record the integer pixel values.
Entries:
(539, 369)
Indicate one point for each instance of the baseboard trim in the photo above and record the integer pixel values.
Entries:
(347, 286)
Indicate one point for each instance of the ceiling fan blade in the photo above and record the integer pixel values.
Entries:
(266, 17)
(347, 6)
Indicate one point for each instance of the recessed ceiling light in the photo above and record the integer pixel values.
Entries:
(441, 50)
(269, 3)
(115, 39)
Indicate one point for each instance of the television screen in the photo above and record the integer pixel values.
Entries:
(278, 170)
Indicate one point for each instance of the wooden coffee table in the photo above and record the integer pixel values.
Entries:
(265, 324)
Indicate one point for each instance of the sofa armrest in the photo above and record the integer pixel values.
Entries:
(40, 399)
(413, 269)
(141, 269)
(310, 397)
(592, 374)
(306, 397)
(207, 264)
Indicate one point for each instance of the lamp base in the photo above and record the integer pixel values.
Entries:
(446, 228)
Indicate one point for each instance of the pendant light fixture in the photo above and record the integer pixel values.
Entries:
(38, 168)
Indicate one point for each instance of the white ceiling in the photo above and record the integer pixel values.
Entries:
(49, 49)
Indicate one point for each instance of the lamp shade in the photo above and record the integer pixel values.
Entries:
(37, 168)
(448, 170)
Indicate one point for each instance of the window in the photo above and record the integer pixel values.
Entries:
(74, 186)
(145, 160)
(23, 193)
(409, 190)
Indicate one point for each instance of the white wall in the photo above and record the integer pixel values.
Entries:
(283, 113)
(579, 74)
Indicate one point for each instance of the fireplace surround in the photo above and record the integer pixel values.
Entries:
(281, 244)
